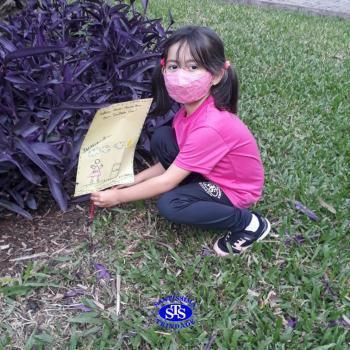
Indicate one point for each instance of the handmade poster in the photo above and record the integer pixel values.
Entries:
(107, 154)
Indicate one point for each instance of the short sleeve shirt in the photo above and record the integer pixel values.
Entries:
(218, 145)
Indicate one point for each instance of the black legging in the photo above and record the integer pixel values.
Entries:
(196, 201)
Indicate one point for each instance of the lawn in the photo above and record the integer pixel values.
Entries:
(289, 292)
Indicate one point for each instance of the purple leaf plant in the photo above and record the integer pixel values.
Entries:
(59, 63)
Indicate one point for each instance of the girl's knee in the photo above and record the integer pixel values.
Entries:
(165, 207)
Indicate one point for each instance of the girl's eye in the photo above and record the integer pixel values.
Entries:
(193, 67)
(172, 67)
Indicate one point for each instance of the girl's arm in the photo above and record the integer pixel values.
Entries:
(155, 170)
(146, 189)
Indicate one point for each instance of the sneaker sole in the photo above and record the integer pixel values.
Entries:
(221, 253)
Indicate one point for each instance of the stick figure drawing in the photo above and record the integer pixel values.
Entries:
(95, 172)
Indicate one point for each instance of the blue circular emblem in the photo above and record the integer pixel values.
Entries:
(175, 312)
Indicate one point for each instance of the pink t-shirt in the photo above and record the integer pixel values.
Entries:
(218, 145)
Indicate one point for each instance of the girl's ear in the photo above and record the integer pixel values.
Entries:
(217, 78)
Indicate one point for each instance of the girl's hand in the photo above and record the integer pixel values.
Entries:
(107, 198)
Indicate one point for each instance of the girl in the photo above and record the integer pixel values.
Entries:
(209, 170)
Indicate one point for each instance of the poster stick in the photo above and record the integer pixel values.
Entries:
(91, 212)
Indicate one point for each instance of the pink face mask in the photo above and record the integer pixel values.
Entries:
(187, 87)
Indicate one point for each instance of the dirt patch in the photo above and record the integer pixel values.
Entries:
(49, 232)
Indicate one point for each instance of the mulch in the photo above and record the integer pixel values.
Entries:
(50, 231)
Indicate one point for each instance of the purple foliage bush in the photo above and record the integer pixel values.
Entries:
(59, 63)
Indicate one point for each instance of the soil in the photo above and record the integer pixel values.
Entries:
(50, 230)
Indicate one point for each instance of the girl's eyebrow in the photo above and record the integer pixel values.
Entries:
(185, 62)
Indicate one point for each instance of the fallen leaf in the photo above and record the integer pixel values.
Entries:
(338, 56)
(346, 320)
(299, 239)
(253, 293)
(302, 208)
(270, 299)
(103, 273)
(327, 206)
(73, 293)
(98, 304)
(292, 322)
(81, 307)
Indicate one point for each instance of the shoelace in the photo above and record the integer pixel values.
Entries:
(238, 244)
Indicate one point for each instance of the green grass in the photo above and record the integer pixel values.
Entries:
(294, 72)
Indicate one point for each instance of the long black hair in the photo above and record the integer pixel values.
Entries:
(208, 51)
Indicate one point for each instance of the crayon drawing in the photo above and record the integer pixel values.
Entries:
(95, 172)
(115, 170)
(107, 153)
